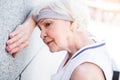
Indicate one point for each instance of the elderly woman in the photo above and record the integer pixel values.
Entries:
(63, 27)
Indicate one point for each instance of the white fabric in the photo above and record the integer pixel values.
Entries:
(96, 55)
(47, 13)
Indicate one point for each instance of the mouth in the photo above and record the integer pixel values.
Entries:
(48, 43)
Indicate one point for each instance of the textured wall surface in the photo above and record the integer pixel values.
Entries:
(13, 13)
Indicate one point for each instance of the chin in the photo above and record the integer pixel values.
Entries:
(53, 50)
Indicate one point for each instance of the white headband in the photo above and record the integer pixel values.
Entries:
(47, 13)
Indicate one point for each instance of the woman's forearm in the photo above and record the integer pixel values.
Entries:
(30, 23)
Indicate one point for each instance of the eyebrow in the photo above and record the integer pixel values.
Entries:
(41, 21)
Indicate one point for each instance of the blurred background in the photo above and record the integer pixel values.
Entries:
(104, 23)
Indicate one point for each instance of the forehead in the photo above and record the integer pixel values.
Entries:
(45, 20)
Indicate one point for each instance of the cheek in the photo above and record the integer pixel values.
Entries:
(59, 35)
(61, 40)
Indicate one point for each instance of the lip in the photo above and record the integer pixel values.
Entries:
(49, 42)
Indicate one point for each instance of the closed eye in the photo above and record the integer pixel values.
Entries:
(47, 24)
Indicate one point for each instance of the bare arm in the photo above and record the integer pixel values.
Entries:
(19, 38)
(87, 71)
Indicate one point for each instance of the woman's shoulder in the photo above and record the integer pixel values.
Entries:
(87, 71)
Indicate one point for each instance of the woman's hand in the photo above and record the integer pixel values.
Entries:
(19, 38)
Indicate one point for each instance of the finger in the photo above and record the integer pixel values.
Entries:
(17, 43)
(15, 38)
(15, 32)
(19, 48)
(14, 55)
(17, 51)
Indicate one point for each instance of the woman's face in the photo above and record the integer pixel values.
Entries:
(55, 33)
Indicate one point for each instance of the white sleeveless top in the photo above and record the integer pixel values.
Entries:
(94, 53)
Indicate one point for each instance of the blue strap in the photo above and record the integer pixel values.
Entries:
(92, 47)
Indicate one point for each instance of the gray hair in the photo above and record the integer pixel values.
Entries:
(74, 10)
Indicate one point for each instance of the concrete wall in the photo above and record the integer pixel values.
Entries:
(13, 13)
(34, 62)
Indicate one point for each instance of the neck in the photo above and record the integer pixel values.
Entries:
(77, 42)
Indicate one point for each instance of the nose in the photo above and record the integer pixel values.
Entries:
(43, 34)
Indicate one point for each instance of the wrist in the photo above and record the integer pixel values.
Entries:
(30, 24)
